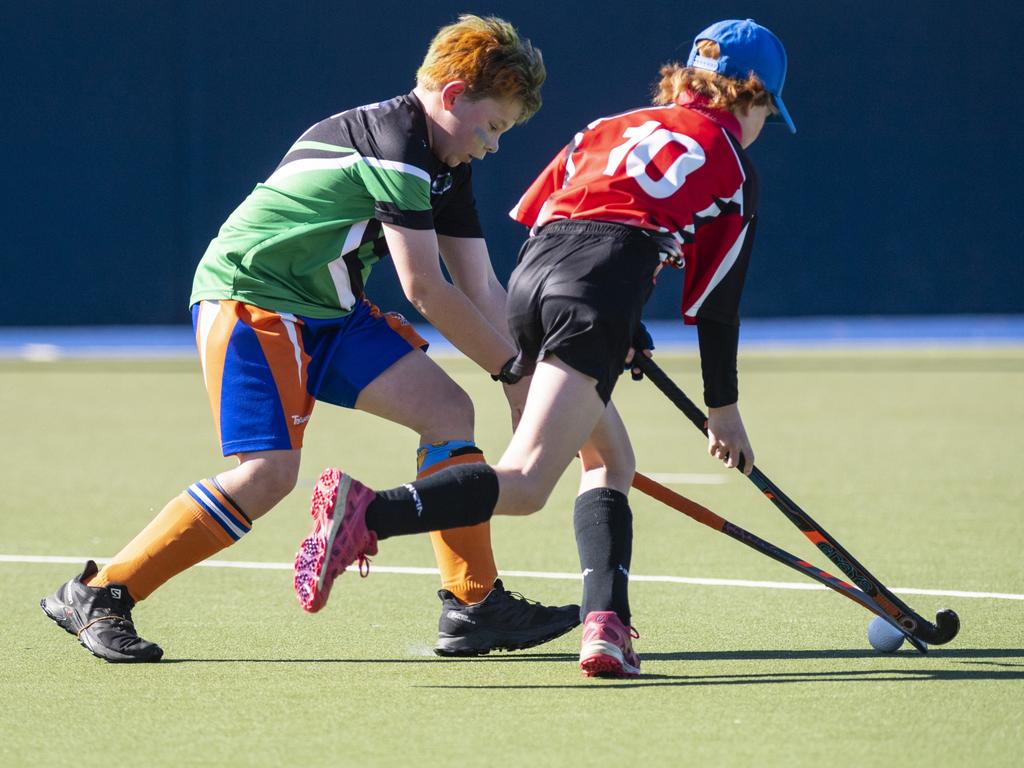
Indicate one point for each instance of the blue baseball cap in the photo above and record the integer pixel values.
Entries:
(746, 47)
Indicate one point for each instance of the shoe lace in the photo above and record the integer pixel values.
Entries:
(529, 607)
(120, 622)
(521, 597)
(364, 565)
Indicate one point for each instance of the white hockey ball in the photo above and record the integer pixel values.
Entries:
(883, 636)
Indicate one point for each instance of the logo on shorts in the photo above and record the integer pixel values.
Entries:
(297, 420)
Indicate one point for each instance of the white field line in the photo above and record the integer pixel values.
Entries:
(407, 570)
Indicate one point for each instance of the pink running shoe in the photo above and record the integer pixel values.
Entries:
(608, 647)
(337, 540)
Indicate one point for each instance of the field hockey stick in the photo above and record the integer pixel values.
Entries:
(705, 516)
(947, 623)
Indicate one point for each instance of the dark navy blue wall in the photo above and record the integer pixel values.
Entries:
(131, 129)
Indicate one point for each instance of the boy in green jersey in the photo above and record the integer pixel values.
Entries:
(282, 320)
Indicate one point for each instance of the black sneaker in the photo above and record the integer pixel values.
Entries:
(101, 619)
(503, 620)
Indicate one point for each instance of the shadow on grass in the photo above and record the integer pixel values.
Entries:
(854, 653)
(974, 656)
(431, 659)
(769, 678)
(956, 655)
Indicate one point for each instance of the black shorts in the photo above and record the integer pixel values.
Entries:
(578, 293)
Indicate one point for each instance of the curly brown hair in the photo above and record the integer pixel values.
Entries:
(491, 57)
(722, 92)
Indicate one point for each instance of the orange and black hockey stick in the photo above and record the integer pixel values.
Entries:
(947, 623)
(704, 515)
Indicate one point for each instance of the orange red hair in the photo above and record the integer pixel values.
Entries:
(491, 57)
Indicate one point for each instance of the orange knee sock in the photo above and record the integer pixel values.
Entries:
(200, 522)
(463, 555)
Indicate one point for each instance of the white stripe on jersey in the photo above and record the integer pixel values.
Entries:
(394, 165)
(715, 209)
(354, 237)
(339, 274)
(723, 269)
(337, 163)
(312, 164)
(339, 270)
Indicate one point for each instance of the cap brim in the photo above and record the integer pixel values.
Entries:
(783, 115)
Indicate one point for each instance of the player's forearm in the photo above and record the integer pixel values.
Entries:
(490, 300)
(718, 348)
(469, 265)
(460, 321)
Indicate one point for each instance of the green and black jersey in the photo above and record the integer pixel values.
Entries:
(304, 241)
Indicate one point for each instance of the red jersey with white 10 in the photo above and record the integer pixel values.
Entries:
(676, 171)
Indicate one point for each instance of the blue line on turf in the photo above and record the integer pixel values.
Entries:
(979, 331)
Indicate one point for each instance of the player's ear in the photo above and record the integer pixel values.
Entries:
(451, 92)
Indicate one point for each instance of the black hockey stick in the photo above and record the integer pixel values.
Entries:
(947, 623)
(704, 515)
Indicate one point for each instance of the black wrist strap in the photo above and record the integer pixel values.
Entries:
(505, 375)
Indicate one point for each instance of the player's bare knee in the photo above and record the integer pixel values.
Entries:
(620, 474)
(617, 474)
(460, 406)
(451, 414)
(523, 499)
(534, 503)
(284, 479)
(275, 477)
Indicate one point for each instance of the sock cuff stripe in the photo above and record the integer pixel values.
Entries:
(231, 503)
(226, 503)
(209, 503)
(430, 455)
(475, 457)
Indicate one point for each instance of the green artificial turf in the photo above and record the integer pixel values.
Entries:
(910, 458)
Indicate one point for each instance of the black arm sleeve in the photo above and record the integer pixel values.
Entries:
(718, 346)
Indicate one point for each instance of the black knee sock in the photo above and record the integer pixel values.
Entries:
(604, 538)
(452, 498)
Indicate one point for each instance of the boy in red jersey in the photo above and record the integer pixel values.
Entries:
(668, 184)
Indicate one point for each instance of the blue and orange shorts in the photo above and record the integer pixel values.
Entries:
(264, 370)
